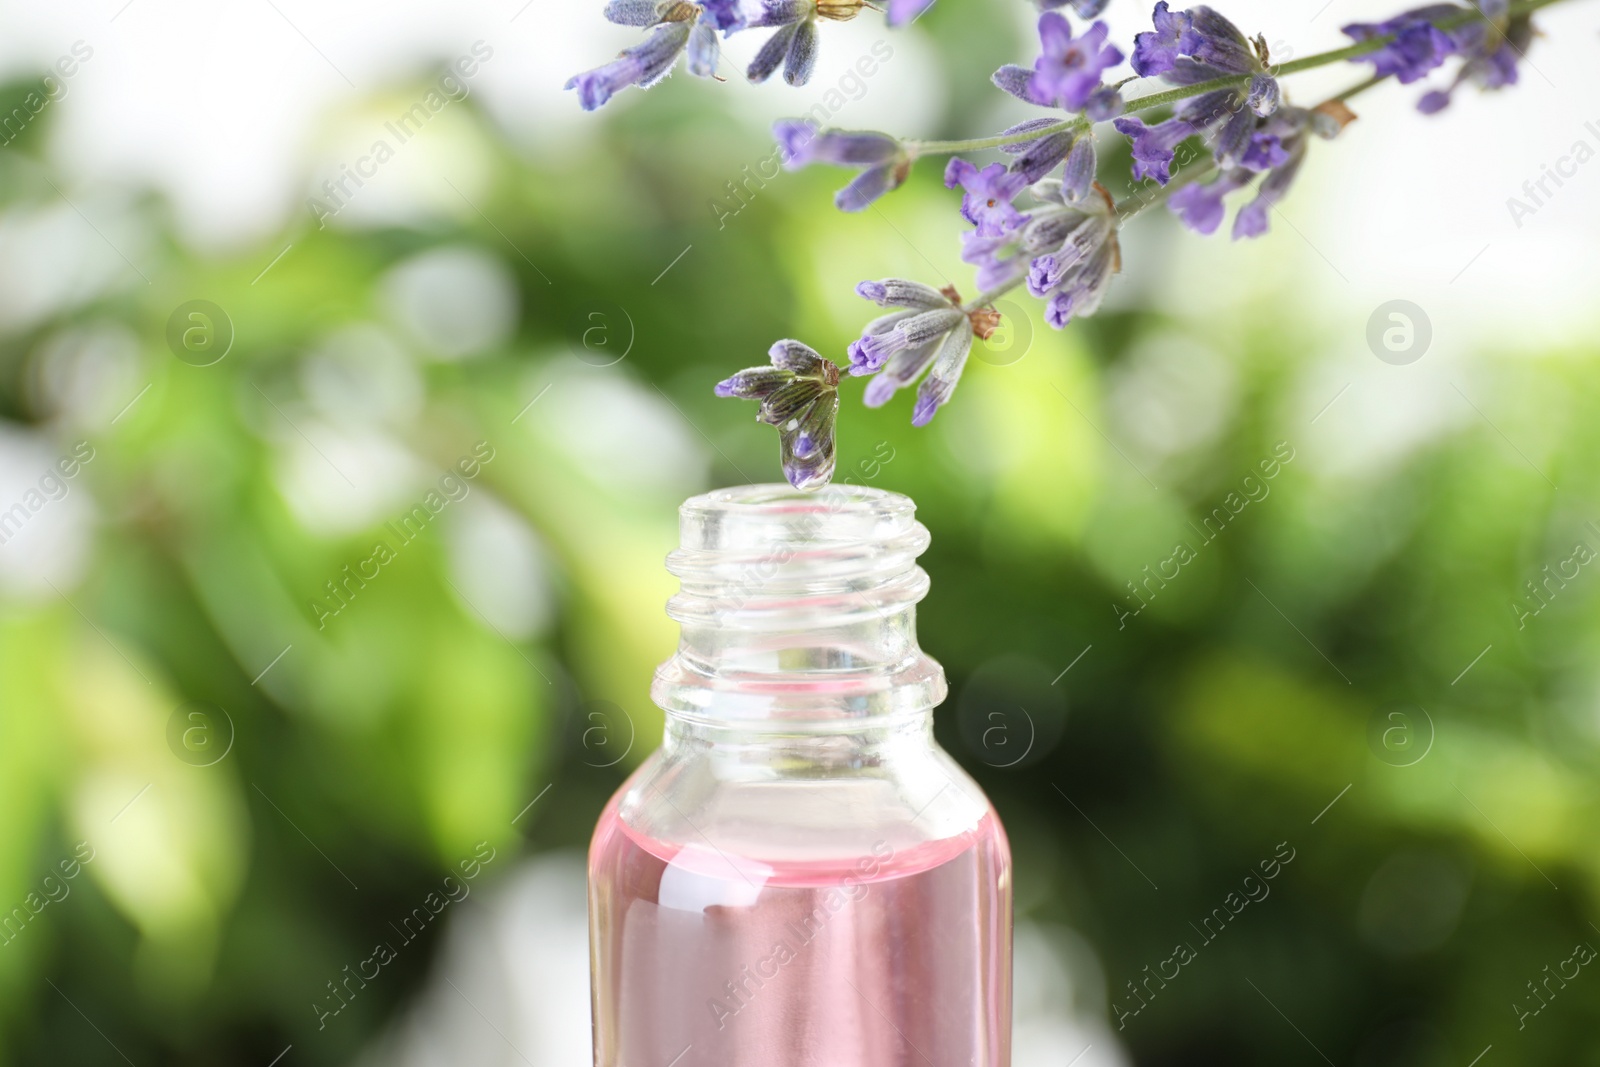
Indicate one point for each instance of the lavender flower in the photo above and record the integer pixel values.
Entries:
(1418, 46)
(1277, 148)
(1069, 69)
(1154, 146)
(1075, 252)
(642, 65)
(895, 332)
(884, 162)
(1491, 55)
(989, 193)
(934, 333)
(1156, 51)
(679, 27)
(795, 43)
(1039, 157)
(1187, 48)
(1201, 207)
(799, 395)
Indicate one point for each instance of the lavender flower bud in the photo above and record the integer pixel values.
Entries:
(941, 381)
(636, 12)
(643, 65)
(802, 58)
(797, 358)
(1014, 80)
(1235, 137)
(1077, 177)
(771, 54)
(869, 353)
(756, 383)
(1264, 95)
(898, 292)
(790, 401)
(1030, 126)
(1042, 156)
(1221, 42)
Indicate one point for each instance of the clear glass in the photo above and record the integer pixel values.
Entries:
(800, 875)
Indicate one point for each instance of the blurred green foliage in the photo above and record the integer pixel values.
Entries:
(381, 747)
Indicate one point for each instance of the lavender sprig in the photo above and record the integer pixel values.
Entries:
(799, 394)
(690, 27)
(1063, 244)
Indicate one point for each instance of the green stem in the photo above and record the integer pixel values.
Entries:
(1168, 97)
(985, 299)
(948, 148)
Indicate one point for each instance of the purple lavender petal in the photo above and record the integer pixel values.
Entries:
(1069, 69)
(989, 192)
(1266, 152)
(1153, 146)
(1155, 51)
(1418, 46)
(1252, 218)
(1058, 312)
(1201, 207)
(904, 11)
(1434, 102)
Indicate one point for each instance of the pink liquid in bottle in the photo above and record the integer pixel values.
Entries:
(800, 876)
(881, 959)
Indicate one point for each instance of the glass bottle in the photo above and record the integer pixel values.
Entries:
(800, 875)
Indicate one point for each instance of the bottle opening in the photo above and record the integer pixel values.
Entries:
(798, 604)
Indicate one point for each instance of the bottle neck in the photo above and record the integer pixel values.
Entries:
(798, 617)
